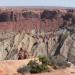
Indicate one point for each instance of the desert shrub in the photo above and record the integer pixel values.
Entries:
(44, 68)
(47, 61)
(44, 60)
(23, 69)
(34, 67)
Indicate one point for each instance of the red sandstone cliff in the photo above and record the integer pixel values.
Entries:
(40, 19)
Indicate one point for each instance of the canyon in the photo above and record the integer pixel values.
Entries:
(26, 33)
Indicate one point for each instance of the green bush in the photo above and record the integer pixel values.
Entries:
(44, 68)
(44, 60)
(47, 61)
(23, 69)
(34, 67)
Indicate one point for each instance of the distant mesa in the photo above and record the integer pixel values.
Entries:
(36, 18)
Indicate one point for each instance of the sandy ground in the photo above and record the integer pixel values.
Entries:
(9, 67)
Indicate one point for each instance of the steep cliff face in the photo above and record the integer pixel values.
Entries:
(50, 37)
(39, 19)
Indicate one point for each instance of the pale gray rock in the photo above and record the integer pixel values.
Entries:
(41, 50)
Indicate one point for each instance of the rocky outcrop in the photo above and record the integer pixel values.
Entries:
(68, 50)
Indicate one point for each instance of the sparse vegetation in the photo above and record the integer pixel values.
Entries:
(36, 67)
(43, 65)
(23, 69)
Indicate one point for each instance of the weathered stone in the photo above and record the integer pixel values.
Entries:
(41, 49)
(66, 47)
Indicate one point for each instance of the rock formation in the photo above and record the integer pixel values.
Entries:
(47, 32)
(17, 19)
